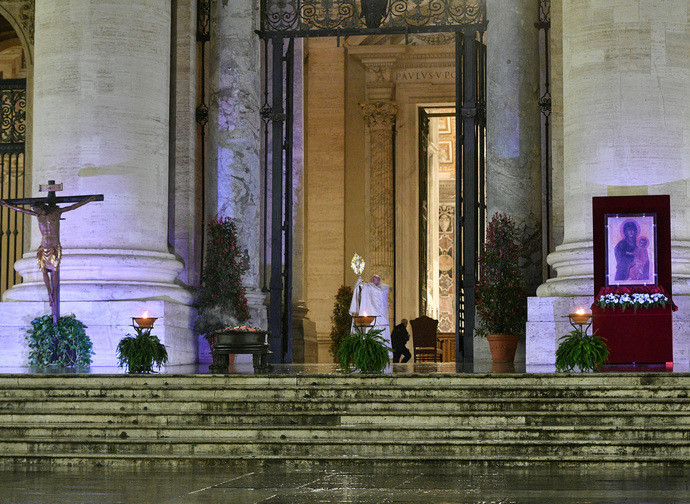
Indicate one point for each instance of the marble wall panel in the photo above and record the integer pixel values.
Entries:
(325, 182)
(233, 177)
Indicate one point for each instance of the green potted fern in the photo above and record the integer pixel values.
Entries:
(364, 351)
(577, 349)
(500, 296)
(140, 353)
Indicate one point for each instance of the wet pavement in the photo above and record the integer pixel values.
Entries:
(397, 485)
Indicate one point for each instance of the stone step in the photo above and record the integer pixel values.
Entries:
(402, 406)
(302, 419)
(387, 419)
(352, 433)
(118, 460)
(395, 380)
(362, 392)
(346, 448)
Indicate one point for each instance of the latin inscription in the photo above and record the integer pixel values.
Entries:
(442, 75)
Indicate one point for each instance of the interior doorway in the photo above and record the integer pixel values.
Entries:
(437, 189)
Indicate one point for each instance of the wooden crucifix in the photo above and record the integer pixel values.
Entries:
(49, 251)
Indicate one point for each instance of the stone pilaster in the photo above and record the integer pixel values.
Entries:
(233, 184)
(101, 115)
(185, 210)
(380, 119)
(304, 343)
(513, 179)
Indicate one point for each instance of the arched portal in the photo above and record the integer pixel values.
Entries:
(15, 72)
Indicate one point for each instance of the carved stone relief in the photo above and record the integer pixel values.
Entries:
(23, 14)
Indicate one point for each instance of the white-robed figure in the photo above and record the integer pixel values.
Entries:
(372, 299)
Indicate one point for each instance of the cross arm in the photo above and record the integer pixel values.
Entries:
(57, 199)
(16, 208)
(83, 202)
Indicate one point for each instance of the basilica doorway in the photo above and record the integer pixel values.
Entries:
(13, 74)
(355, 88)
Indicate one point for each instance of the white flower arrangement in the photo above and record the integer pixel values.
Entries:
(357, 264)
(635, 301)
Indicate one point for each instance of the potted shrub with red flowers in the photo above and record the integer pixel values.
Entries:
(500, 293)
(341, 320)
(221, 301)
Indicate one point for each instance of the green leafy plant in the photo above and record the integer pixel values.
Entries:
(141, 352)
(63, 345)
(577, 348)
(221, 300)
(500, 293)
(365, 351)
(341, 320)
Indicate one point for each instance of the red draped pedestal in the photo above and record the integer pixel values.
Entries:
(642, 336)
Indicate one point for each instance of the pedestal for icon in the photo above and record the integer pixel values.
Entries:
(645, 334)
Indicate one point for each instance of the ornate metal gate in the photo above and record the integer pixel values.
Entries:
(12, 138)
(289, 19)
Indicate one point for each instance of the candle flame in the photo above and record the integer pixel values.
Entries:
(580, 311)
(146, 314)
(364, 314)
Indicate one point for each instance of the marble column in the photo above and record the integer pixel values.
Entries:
(626, 132)
(380, 119)
(626, 124)
(101, 111)
(233, 176)
(513, 179)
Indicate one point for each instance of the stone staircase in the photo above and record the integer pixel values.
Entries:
(518, 419)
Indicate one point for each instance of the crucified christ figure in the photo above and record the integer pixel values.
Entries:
(49, 252)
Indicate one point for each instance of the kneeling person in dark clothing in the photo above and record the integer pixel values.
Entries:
(399, 337)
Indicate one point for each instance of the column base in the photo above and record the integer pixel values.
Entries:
(681, 334)
(575, 267)
(574, 264)
(680, 267)
(547, 321)
(305, 348)
(257, 302)
(107, 323)
(97, 274)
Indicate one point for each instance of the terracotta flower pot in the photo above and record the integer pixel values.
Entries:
(503, 346)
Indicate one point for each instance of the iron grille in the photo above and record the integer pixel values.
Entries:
(310, 18)
(12, 114)
(12, 138)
